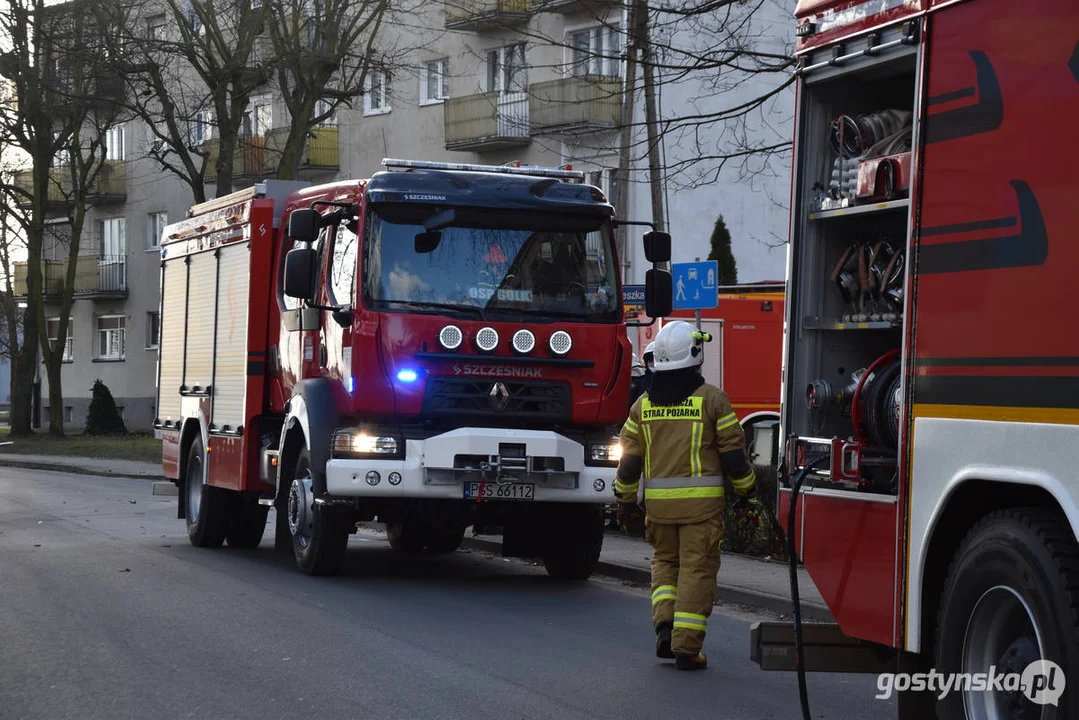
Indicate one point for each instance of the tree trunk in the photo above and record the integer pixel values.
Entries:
(226, 151)
(625, 157)
(22, 393)
(56, 392)
(651, 120)
(292, 153)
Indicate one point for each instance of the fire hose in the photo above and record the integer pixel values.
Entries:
(796, 601)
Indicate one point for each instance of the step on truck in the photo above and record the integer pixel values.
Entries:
(930, 405)
(438, 347)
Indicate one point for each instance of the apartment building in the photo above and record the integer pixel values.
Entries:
(488, 81)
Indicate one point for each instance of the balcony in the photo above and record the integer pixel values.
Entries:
(487, 121)
(109, 186)
(249, 160)
(95, 277)
(479, 15)
(320, 151)
(575, 105)
(570, 7)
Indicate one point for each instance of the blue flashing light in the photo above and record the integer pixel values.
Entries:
(350, 383)
(407, 375)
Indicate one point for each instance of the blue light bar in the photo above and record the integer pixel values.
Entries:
(350, 383)
(407, 375)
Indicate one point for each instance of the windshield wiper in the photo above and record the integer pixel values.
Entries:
(439, 306)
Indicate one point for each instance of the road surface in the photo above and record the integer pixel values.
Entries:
(108, 612)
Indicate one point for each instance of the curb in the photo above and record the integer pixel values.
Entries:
(73, 469)
(777, 604)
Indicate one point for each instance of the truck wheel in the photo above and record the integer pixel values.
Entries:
(573, 552)
(248, 525)
(209, 508)
(440, 542)
(319, 534)
(1011, 598)
(406, 537)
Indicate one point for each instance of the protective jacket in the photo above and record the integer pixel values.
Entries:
(686, 449)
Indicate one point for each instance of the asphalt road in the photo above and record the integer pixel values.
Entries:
(106, 611)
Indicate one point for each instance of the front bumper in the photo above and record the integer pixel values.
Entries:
(431, 468)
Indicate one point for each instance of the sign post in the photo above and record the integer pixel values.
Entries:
(695, 286)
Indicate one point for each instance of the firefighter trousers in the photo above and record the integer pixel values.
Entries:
(685, 560)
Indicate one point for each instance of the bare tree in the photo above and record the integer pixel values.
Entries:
(57, 66)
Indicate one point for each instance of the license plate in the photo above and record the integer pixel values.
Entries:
(493, 491)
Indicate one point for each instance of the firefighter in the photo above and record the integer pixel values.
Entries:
(684, 437)
(642, 375)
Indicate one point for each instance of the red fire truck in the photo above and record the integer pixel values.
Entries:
(930, 407)
(439, 346)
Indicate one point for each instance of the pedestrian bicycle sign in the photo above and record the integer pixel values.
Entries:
(694, 285)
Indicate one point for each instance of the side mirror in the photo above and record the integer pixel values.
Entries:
(426, 242)
(304, 225)
(300, 267)
(657, 247)
(658, 293)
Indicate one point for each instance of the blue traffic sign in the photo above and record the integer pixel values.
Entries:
(633, 295)
(694, 285)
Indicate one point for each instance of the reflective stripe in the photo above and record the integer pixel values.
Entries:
(728, 420)
(631, 427)
(683, 482)
(682, 493)
(690, 621)
(664, 592)
(621, 487)
(696, 437)
(744, 483)
(647, 451)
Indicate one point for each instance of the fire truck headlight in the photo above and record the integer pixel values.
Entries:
(606, 453)
(356, 443)
(560, 342)
(450, 337)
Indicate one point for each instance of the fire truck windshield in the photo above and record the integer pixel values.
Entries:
(491, 262)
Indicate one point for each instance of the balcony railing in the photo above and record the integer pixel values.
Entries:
(249, 159)
(320, 151)
(485, 14)
(487, 120)
(572, 6)
(110, 185)
(104, 276)
(575, 104)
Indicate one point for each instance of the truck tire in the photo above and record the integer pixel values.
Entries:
(319, 533)
(406, 537)
(248, 525)
(441, 542)
(573, 550)
(1011, 598)
(209, 509)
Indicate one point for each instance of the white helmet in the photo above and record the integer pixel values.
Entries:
(678, 345)
(637, 369)
(650, 356)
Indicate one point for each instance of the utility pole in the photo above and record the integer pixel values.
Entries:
(655, 176)
(629, 92)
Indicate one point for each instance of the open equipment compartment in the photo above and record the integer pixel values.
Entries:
(850, 237)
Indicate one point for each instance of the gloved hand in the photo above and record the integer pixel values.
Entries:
(631, 517)
(747, 508)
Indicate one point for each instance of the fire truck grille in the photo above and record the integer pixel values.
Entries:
(506, 399)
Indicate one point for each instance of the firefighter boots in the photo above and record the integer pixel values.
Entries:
(685, 661)
(663, 640)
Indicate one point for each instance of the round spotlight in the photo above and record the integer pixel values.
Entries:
(524, 341)
(450, 337)
(394, 478)
(560, 342)
(487, 339)
(373, 478)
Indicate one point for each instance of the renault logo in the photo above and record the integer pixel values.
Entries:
(499, 396)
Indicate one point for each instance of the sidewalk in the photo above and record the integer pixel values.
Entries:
(742, 580)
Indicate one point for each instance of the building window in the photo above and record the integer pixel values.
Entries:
(434, 83)
(153, 329)
(114, 142)
(155, 28)
(111, 330)
(507, 71)
(69, 414)
(376, 99)
(53, 328)
(258, 120)
(113, 240)
(200, 128)
(155, 229)
(324, 110)
(595, 51)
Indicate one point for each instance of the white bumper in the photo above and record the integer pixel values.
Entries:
(427, 470)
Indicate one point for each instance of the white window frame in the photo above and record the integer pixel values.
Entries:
(155, 227)
(121, 333)
(440, 68)
(114, 238)
(604, 50)
(376, 100)
(497, 68)
(321, 106)
(151, 342)
(259, 114)
(200, 128)
(114, 143)
(69, 344)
